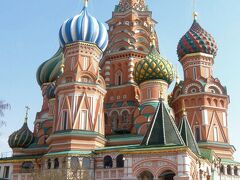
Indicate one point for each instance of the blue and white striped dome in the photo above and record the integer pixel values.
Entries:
(84, 27)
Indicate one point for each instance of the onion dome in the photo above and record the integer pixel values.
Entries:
(154, 67)
(21, 138)
(196, 40)
(50, 92)
(51, 69)
(84, 27)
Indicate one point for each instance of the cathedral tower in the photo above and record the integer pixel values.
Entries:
(130, 29)
(80, 90)
(205, 97)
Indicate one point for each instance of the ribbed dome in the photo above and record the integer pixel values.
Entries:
(196, 40)
(21, 138)
(50, 70)
(153, 67)
(84, 27)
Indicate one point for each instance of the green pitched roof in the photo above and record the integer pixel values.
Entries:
(162, 130)
(187, 135)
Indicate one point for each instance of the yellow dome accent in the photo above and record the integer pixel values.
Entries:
(153, 67)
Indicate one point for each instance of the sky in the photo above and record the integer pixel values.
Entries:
(29, 36)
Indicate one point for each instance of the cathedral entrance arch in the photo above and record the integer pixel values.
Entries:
(145, 175)
(167, 175)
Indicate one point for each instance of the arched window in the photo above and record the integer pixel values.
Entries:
(118, 78)
(194, 73)
(27, 166)
(197, 133)
(120, 161)
(86, 163)
(49, 163)
(56, 163)
(235, 170)
(114, 120)
(167, 175)
(215, 134)
(75, 163)
(107, 162)
(229, 170)
(146, 175)
(125, 116)
(222, 169)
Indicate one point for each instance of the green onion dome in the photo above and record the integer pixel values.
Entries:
(153, 67)
(51, 69)
(21, 138)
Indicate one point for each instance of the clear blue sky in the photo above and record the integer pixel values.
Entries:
(29, 36)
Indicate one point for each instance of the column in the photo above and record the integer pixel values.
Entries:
(107, 72)
(130, 70)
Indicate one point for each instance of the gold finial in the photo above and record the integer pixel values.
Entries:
(184, 113)
(26, 116)
(195, 15)
(85, 3)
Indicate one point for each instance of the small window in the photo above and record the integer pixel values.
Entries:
(222, 169)
(235, 170)
(56, 163)
(108, 162)
(197, 133)
(215, 134)
(118, 78)
(86, 163)
(49, 164)
(27, 165)
(75, 163)
(114, 119)
(65, 118)
(120, 161)
(229, 170)
(6, 172)
(194, 73)
(149, 93)
(125, 116)
(193, 90)
(85, 63)
(99, 123)
(84, 119)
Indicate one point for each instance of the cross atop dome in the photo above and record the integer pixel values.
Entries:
(125, 5)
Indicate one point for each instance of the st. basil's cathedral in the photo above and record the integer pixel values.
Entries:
(107, 113)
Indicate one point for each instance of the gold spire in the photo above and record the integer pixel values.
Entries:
(85, 3)
(26, 116)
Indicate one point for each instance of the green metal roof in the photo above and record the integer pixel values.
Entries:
(162, 130)
(187, 135)
(124, 137)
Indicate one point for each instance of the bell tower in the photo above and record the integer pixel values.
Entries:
(205, 97)
(80, 91)
(130, 29)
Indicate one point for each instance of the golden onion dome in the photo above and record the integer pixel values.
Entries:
(153, 67)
